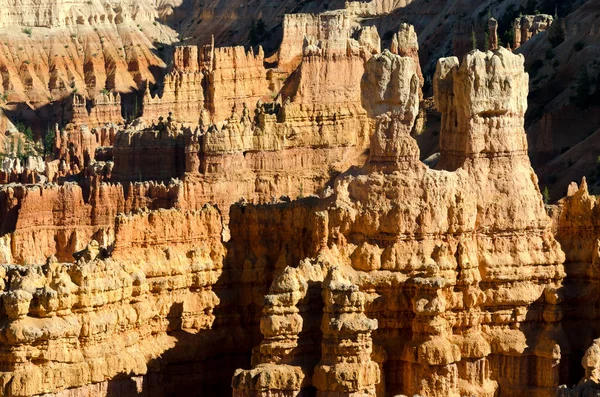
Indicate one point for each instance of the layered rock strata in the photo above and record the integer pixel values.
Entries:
(41, 221)
(62, 13)
(398, 278)
(333, 27)
(463, 259)
(78, 324)
(268, 149)
(103, 109)
(43, 70)
(578, 231)
(215, 80)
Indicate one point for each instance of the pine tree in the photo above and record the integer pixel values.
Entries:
(546, 195)
(257, 31)
(20, 148)
(49, 140)
(487, 41)
(556, 33)
(473, 40)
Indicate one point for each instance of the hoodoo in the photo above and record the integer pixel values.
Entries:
(299, 199)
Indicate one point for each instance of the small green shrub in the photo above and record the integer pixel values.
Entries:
(546, 195)
(556, 33)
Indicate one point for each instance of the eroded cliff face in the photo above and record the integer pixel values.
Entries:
(575, 220)
(527, 26)
(391, 278)
(61, 13)
(79, 325)
(68, 61)
(229, 146)
(84, 58)
(458, 273)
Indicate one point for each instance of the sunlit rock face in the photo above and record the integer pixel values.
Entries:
(221, 221)
(459, 267)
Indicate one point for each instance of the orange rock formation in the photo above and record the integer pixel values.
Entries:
(178, 252)
(437, 251)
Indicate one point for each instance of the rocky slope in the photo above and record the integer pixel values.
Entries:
(565, 100)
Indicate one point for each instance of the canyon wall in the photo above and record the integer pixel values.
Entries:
(61, 13)
(236, 147)
(266, 226)
(100, 317)
(577, 229)
(208, 79)
(438, 297)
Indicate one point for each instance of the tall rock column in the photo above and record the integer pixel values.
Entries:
(483, 102)
(492, 34)
(346, 368)
(405, 43)
(283, 362)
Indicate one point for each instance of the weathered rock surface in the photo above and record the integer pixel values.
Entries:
(528, 26)
(44, 67)
(73, 325)
(459, 298)
(396, 279)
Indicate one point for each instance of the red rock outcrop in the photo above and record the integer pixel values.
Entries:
(55, 221)
(50, 51)
(181, 91)
(135, 154)
(41, 221)
(61, 13)
(333, 27)
(76, 146)
(376, 7)
(261, 151)
(576, 221)
(105, 108)
(235, 78)
(208, 79)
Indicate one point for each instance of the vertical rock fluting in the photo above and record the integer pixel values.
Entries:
(236, 78)
(397, 279)
(261, 154)
(181, 91)
(334, 28)
(467, 270)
